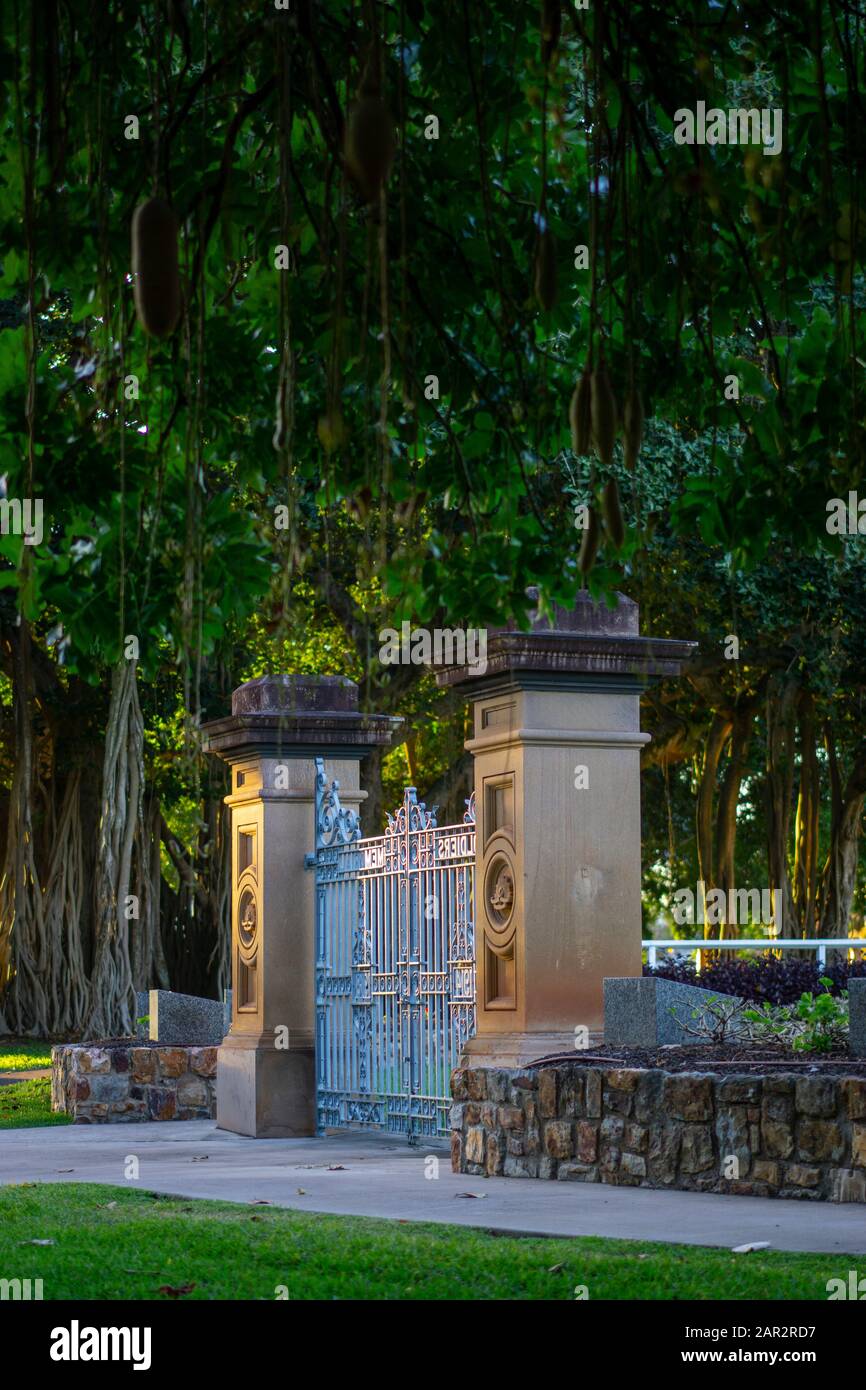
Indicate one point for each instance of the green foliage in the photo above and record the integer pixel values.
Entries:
(816, 1023)
(734, 255)
(705, 261)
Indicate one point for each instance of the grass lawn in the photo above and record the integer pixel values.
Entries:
(27, 1103)
(23, 1054)
(112, 1242)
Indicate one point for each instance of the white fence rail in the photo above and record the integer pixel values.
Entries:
(820, 944)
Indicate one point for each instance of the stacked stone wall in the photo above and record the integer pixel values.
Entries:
(110, 1084)
(768, 1135)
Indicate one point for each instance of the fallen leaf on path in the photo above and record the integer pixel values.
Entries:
(479, 1196)
(200, 1158)
(747, 1249)
(260, 1202)
(302, 1191)
(336, 1168)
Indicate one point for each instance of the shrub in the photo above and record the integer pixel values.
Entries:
(764, 979)
(816, 1023)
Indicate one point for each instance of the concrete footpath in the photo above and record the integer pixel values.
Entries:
(374, 1175)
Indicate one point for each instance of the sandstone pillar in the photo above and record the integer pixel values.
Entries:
(556, 745)
(266, 1078)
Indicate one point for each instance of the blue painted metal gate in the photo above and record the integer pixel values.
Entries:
(395, 964)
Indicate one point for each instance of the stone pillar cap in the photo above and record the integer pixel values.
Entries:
(298, 716)
(277, 694)
(589, 644)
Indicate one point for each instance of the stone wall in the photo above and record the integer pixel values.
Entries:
(791, 1135)
(112, 1083)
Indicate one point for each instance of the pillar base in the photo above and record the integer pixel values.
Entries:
(520, 1049)
(263, 1091)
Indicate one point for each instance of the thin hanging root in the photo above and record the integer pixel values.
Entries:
(633, 418)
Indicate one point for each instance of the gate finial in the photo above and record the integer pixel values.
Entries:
(412, 815)
(335, 824)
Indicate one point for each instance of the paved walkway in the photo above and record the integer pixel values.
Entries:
(10, 1078)
(372, 1175)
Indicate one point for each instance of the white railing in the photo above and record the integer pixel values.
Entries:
(821, 944)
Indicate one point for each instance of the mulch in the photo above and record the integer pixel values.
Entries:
(734, 1057)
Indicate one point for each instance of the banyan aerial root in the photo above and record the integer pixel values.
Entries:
(155, 270)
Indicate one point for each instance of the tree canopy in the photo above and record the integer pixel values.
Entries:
(405, 232)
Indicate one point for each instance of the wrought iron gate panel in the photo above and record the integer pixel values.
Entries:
(395, 964)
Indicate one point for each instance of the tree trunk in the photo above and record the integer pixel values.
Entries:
(805, 876)
(839, 875)
(782, 694)
(726, 817)
(717, 736)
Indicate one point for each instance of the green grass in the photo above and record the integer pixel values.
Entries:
(24, 1055)
(28, 1103)
(118, 1243)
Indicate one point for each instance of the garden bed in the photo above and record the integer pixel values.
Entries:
(675, 1057)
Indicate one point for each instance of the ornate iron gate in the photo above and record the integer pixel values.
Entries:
(395, 964)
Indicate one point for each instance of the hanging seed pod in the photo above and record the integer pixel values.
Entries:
(156, 278)
(613, 513)
(405, 510)
(589, 544)
(545, 270)
(370, 139)
(331, 430)
(358, 507)
(603, 414)
(551, 22)
(579, 414)
(632, 427)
